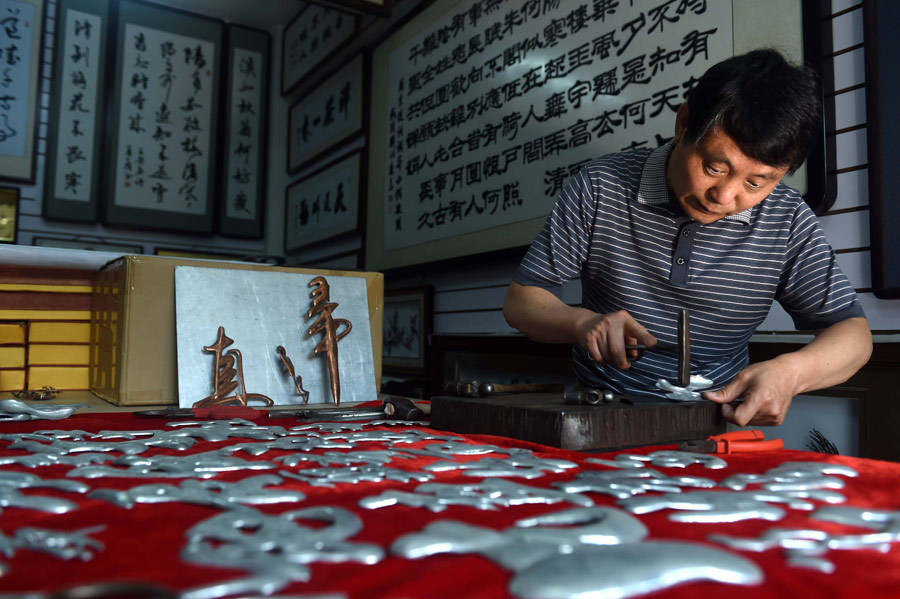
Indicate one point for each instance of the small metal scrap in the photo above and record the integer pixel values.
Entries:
(717, 506)
(325, 323)
(61, 544)
(16, 410)
(224, 373)
(691, 392)
(295, 378)
(43, 394)
(627, 483)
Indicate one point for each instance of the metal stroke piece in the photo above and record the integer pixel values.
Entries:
(198, 465)
(631, 570)
(369, 458)
(795, 476)
(14, 410)
(296, 379)
(626, 483)
(716, 506)
(325, 323)
(675, 459)
(61, 544)
(521, 462)
(248, 491)
(689, 392)
(328, 477)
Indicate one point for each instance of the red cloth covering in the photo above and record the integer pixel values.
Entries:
(143, 543)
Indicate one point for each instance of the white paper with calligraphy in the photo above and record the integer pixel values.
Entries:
(309, 39)
(327, 116)
(77, 114)
(164, 125)
(246, 123)
(324, 205)
(495, 105)
(17, 30)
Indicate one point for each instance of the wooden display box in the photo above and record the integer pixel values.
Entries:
(133, 343)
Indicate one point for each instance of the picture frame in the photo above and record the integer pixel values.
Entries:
(72, 177)
(325, 204)
(77, 243)
(22, 33)
(163, 144)
(311, 38)
(408, 315)
(9, 213)
(245, 124)
(381, 8)
(328, 116)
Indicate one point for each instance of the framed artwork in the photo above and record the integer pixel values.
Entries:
(312, 37)
(86, 244)
(75, 140)
(382, 8)
(245, 123)
(9, 210)
(407, 325)
(328, 116)
(325, 204)
(20, 38)
(164, 114)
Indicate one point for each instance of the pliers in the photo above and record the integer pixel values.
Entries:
(744, 441)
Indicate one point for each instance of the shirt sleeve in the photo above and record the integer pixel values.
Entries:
(813, 289)
(560, 249)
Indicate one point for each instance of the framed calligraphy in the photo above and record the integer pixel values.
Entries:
(328, 116)
(407, 326)
(9, 210)
(80, 243)
(479, 117)
(325, 204)
(312, 37)
(164, 111)
(381, 8)
(75, 139)
(245, 123)
(20, 40)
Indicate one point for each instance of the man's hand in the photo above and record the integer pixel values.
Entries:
(766, 388)
(605, 336)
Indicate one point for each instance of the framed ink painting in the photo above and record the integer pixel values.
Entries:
(328, 116)
(20, 39)
(245, 123)
(381, 8)
(407, 325)
(312, 37)
(75, 140)
(325, 204)
(164, 112)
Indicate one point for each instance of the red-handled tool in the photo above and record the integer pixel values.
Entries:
(734, 442)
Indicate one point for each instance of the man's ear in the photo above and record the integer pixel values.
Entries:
(681, 121)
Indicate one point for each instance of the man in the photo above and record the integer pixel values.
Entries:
(702, 223)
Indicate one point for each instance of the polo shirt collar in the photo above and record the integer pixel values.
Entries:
(653, 189)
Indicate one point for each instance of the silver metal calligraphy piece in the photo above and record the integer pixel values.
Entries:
(521, 463)
(794, 476)
(717, 506)
(325, 323)
(224, 374)
(673, 459)
(328, 477)
(197, 465)
(14, 410)
(626, 483)
(60, 544)
(296, 379)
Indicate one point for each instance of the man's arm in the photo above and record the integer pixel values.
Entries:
(767, 388)
(543, 317)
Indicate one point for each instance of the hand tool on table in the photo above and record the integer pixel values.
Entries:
(682, 347)
(475, 388)
(744, 441)
(392, 408)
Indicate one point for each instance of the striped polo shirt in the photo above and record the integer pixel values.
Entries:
(635, 249)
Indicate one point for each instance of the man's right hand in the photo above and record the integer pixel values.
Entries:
(605, 336)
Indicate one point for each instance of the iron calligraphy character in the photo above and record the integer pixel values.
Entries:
(325, 323)
(224, 374)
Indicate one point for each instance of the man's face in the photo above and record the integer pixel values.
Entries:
(714, 178)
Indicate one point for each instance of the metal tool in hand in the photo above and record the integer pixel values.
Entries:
(743, 441)
(475, 388)
(683, 348)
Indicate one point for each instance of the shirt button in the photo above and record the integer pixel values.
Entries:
(679, 261)
(687, 233)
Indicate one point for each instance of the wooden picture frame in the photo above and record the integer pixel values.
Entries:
(381, 8)
(407, 325)
(22, 36)
(245, 123)
(9, 214)
(72, 177)
(881, 50)
(325, 204)
(77, 243)
(328, 116)
(163, 110)
(311, 38)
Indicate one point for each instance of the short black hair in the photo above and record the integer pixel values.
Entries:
(769, 107)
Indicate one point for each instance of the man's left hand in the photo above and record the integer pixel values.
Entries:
(766, 388)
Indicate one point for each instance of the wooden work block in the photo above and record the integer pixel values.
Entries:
(61, 377)
(12, 380)
(12, 357)
(59, 332)
(58, 355)
(544, 418)
(12, 333)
